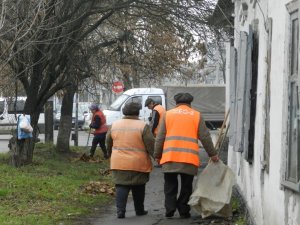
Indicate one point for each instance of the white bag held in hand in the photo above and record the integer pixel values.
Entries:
(213, 190)
(24, 124)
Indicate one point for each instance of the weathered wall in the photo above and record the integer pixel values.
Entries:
(269, 202)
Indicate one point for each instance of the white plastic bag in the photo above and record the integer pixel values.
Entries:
(24, 124)
(213, 190)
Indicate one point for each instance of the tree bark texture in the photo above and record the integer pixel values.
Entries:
(22, 150)
(49, 122)
(127, 81)
(65, 124)
(19, 154)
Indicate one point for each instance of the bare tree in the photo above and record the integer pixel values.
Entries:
(42, 42)
(141, 39)
(155, 39)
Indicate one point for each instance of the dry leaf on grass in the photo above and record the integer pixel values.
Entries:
(104, 172)
(86, 158)
(97, 187)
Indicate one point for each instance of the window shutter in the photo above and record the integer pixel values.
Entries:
(240, 92)
(250, 99)
(232, 92)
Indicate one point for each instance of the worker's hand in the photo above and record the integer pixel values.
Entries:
(215, 158)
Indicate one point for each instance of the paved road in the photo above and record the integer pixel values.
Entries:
(83, 136)
(82, 141)
(154, 203)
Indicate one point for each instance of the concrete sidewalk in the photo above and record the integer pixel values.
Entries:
(154, 203)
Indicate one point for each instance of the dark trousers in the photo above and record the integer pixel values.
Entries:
(171, 189)
(138, 194)
(99, 139)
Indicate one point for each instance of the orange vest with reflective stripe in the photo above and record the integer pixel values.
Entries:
(128, 151)
(181, 141)
(103, 127)
(161, 110)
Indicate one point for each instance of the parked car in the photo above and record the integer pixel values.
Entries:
(10, 109)
(83, 113)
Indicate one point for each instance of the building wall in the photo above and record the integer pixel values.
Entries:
(269, 202)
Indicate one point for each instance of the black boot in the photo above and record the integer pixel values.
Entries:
(121, 214)
(92, 151)
(142, 213)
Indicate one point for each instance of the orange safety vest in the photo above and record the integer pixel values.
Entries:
(181, 141)
(128, 151)
(161, 110)
(103, 127)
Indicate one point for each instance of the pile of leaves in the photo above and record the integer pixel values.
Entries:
(86, 158)
(98, 187)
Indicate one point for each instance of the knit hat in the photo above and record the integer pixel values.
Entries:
(183, 98)
(94, 106)
(132, 109)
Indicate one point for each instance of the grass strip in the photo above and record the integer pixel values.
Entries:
(50, 191)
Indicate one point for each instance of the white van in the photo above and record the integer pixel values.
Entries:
(114, 112)
(208, 99)
(9, 112)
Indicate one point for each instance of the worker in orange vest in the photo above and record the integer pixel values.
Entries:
(156, 117)
(176, 146)
(100, 129)
(130, 144)
(156, 114)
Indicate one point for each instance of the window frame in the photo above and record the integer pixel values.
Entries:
(293, 13)
(132, 99)
(155, 97)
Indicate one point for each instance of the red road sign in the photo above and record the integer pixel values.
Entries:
(117, 87)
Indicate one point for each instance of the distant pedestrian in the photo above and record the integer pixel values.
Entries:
(130, 144)
(156, 114)
(176, 146)
(156, 117)
(100, 129)
(24, 128)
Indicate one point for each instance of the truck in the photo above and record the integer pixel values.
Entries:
(208, 99)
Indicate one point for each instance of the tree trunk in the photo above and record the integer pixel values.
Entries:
(127, 81)
(135, 79)
(65, 124)
(49, 122)
(20, 151)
